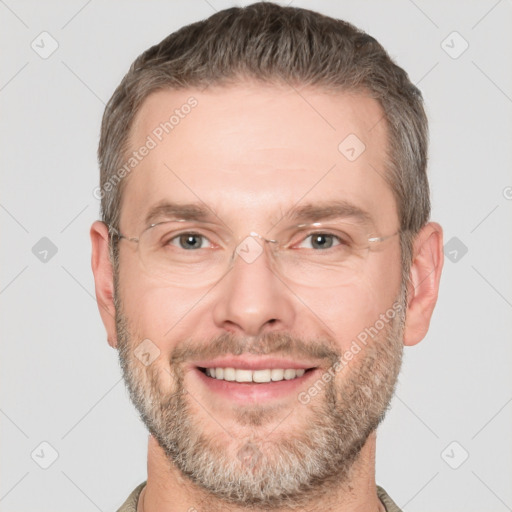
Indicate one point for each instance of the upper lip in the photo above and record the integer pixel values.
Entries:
(251, 363)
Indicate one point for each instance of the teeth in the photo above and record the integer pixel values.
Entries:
(268, 375)
(261, 375)
(229, 373)
(243, 375)
(277, 374)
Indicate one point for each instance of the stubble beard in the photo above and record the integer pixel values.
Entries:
(265, 469)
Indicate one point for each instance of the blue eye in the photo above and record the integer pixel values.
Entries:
(189, 241)
(321, 241)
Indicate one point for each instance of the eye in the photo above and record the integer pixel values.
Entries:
(321, 241)
(189, 241)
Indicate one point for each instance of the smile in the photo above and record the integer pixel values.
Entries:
(254, 376)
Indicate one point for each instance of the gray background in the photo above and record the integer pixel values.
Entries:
(60, 381)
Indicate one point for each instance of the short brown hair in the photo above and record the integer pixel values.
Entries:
(266, 42)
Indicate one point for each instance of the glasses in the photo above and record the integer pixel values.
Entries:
(192, 254)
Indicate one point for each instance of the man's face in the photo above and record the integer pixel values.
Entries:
(249, 154)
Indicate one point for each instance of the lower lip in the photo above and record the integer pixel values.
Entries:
(250, 392)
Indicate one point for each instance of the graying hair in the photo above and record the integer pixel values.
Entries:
(278, 45)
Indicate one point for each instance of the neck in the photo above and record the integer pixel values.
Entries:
(167, 490)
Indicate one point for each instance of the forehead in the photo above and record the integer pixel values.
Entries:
(250, 151)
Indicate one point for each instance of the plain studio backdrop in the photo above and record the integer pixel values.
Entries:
(71, 439)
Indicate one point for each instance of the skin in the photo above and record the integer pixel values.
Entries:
(250, 152)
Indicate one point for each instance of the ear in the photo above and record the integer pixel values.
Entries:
(423, 286)
(103, 279)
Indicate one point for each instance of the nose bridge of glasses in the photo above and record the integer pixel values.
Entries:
(261, 237)
(252, 246)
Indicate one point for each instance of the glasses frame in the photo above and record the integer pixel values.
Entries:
(114, 232)
(119, 235)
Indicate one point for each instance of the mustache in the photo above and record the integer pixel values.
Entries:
(272, 343)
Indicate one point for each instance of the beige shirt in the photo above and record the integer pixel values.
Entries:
(130, 505)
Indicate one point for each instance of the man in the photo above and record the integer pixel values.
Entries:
(265, 253)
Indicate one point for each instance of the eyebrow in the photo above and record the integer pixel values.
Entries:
(186, 211)
(330, 210)
(309, 212)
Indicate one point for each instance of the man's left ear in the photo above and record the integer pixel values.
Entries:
(424, 277)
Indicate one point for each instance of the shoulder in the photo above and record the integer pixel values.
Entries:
(130, 505)
(390, 505)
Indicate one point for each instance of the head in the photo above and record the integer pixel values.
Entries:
(249, 115)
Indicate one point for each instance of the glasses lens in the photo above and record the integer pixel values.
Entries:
(322, 254)
(184, 253)
(192, 254)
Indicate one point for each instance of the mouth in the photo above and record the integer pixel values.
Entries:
(244, 381)
(263, 376)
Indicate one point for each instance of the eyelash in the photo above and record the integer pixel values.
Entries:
(339, 239)
(185, 233)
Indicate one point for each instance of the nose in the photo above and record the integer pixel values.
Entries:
(252, 298)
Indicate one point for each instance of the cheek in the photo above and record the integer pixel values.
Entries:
(345, 311)
(158, 313)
